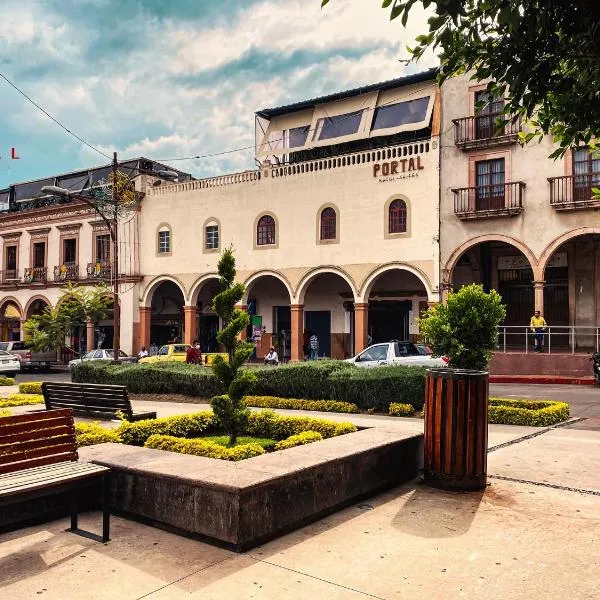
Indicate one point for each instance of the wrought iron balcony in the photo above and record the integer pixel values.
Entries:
(488, 201)
(35, 275)
(484, 131)
(9, 277)
(100, 270)
(66, 272)
(573, 192)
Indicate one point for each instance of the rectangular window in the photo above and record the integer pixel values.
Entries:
(11, 258)
(103, 248)
(339, 126)
(212, 237)
(70, 251)
(298, 135)
(164, 242)
(401, 113)
(586, 172)
(39, 255)
(4, 200)
(490, 184)
(487, 109)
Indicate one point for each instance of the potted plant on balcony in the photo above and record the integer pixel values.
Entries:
(465, 329)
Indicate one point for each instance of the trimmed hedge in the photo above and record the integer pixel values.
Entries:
(534, 413)
(5, 413)
(200, 447)
(306, 437)
(223, 440)
(6, 380)
(295, 403)
(401, 410)
(21, 400)
(313, 380)
(30, 387)
(268, 424)
(88, 434)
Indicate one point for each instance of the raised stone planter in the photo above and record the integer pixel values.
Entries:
(243, 504)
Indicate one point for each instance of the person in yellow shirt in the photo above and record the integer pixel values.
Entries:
(538, 327)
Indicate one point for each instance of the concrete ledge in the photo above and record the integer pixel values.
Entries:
(243, 504)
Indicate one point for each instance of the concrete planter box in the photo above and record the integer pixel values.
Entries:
(242, 504)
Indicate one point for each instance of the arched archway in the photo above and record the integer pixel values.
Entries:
(327, 295)
(268, 297)
(36, 306)
(166, 299)
(571, 264)
(11, 314)
(204, 322)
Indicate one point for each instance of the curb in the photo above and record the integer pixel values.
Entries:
(542, 379)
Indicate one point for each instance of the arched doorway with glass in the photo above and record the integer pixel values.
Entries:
(11, 315)
(166, 316)
(207, 320)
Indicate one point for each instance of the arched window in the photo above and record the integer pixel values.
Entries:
(328, 224)
(265, 231)
(397, 216)
(164, 239)
(212, 240)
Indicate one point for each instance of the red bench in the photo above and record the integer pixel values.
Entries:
(38, 457)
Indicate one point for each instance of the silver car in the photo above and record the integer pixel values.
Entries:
(102, 354)
(10, 364)
(396, 353)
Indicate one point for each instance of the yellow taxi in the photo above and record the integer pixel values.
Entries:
(168, 353)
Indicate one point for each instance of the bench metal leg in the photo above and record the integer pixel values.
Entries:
(105, 508)
(74, 504)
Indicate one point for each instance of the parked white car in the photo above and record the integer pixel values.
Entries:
(396, 353)
(102, 355)
(10, 364)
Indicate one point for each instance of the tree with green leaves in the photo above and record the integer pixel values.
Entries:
(75, 308)
(543, 56)
(230, 408)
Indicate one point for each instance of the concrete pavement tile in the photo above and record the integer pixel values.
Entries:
(48, 562)
(242, 578)
(566, 457)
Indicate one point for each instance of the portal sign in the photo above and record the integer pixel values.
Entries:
(396, 167)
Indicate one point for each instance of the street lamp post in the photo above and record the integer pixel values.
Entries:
(113, 228)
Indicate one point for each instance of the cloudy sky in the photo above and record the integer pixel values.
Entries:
(177, 78)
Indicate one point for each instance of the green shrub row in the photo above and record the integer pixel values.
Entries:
(314, 380)
(401, 410)
(294, 403)
(5, 413)
(306, 437)
(89, 434)
(201, 447)
(21, 400)
(223, 440)
(533, 413)
(6, 380)
(30, 387)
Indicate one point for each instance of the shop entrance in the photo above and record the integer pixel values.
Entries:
(319, 322)
(389, 320)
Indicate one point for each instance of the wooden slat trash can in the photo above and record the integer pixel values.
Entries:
(456, 429)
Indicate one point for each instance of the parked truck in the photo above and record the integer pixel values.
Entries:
(29, 358)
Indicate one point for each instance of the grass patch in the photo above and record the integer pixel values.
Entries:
(223, 440)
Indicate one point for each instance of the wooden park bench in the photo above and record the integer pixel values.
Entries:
(92, 400)
(38, 457)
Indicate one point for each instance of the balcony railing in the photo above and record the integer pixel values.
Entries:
(99, 270)
(483, 131)
(66, 272)
(9, 276)
(35, 275)
(572, 192)
(557, 338)
(498, 200)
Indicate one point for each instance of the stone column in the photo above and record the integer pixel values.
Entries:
(190, 324)
(145, 319)
(297, 352)
(90, 336)
(538, 296)
(361, 326)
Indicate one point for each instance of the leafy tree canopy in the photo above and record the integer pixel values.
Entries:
(545, 54)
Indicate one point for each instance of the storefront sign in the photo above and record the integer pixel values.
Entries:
(13, 154)
(397, 167)
(520, 262)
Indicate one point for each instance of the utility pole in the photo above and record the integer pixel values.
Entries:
(115, 263)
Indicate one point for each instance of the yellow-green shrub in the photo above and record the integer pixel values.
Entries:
(200, 447)
(533, 413)
(21, 400)
(89, 434)
(182, 426)
(401, 410)
(5, 413)
(295, 403)
(6, 380)
(30, 387)
(268, 424)
(306, 437)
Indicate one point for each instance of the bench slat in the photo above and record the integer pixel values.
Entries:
(36, 462)
(39, 415)
(18, 455)
(42, 473)
(49, 434)
(30, 445)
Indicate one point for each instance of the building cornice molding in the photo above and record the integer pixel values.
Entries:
(39, 216)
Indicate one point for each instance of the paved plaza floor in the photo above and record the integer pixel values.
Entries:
(533, 533)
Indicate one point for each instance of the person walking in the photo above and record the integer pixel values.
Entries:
(272, 358)
(538, 327)
(142, 353)
(313, 343)
(193, 356)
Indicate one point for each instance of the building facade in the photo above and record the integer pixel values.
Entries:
(517, 221)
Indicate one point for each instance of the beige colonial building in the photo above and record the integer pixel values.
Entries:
(335, 235)
(516, 220)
